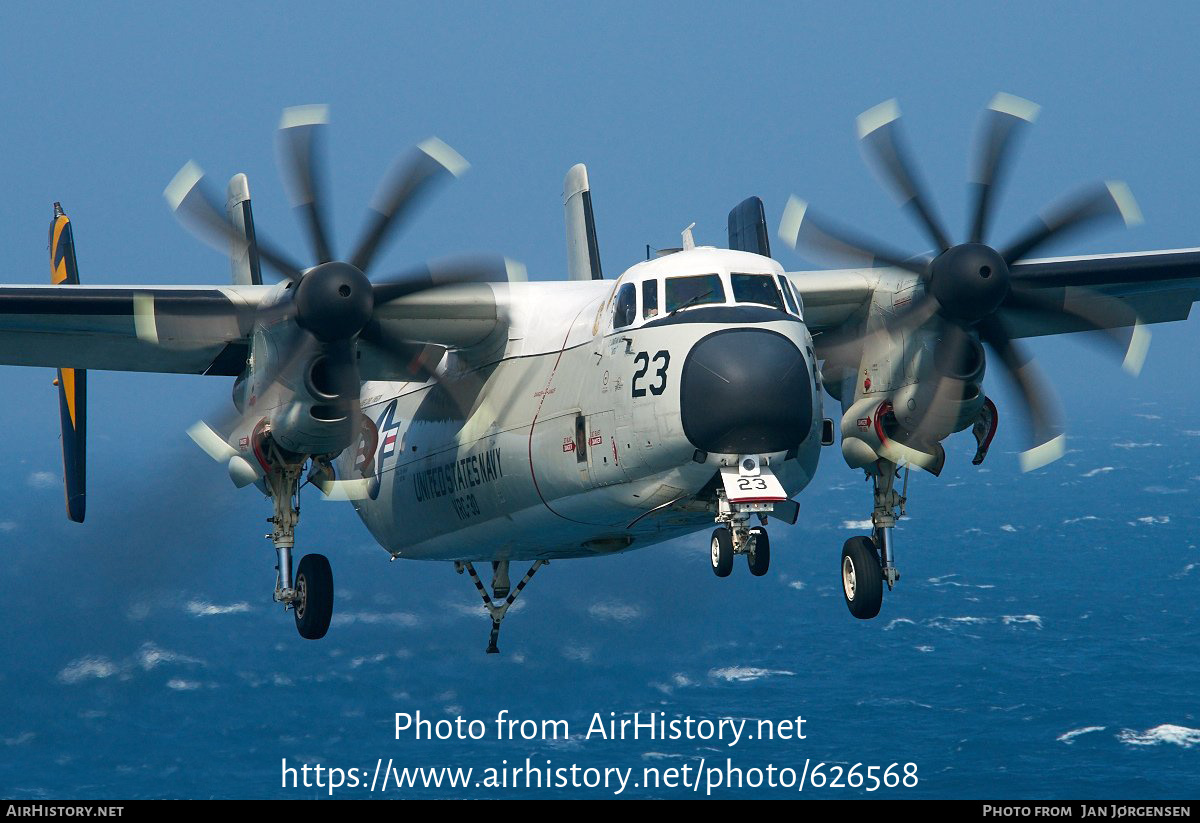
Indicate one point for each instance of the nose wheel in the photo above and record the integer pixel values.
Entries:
(722, 552)
(758, 555)
(753, 543)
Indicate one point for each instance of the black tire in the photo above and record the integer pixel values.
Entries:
(313, 606)
(759, 559)
(722, 552)
(862, 577)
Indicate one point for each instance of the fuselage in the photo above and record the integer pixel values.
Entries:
(585, 436)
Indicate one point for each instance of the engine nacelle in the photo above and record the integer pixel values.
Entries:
(866, 439)
(946, 397)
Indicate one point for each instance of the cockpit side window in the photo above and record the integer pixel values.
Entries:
(693, 290)
(756, 288)
(625, 309)
(785, 287)
(649, 298)
(799, 300)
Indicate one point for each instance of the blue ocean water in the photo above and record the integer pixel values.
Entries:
(1044, 642)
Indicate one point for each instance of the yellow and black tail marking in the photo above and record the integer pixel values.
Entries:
(72, 383)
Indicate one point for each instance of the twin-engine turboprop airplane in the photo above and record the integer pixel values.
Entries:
(472, 416)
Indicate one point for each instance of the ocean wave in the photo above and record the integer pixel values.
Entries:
(203, 608)
(150, 657)
(87, 668)
(1069, 737)
(43, 480)
(374, 618)
(1166, 733)
(1163, 490)
(615, 610)
(1016, 619)
(747, 674)
(857, 525)
(1095, 472)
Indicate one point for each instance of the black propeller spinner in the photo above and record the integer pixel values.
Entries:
(971, 288)
(969, 281)
(334, 301)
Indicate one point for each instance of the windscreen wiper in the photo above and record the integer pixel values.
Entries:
(689, 302)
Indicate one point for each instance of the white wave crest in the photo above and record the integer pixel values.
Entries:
(1069, 737)
(87, 668)
(747, 674)
(202, 608)
(615, 610)
(1166, 733)
(1016, 619)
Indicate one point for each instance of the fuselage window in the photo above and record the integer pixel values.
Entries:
(756, 288)
(784, 286)
(694, 290)
(649, 298)
(625, 310)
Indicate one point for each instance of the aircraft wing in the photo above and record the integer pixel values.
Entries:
(206, 330)
(1159, 287)
(105, 327)
(833, 297)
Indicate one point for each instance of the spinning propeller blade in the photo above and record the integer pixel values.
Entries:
(333, 304)
(970, 289)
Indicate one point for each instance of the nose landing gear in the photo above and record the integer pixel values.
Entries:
(728, 541)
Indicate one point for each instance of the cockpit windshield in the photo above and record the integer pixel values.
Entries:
(756, 288)
(694, 290)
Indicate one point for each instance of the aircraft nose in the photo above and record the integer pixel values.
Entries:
(745, 391)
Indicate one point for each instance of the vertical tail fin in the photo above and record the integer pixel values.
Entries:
(583, 252)
(72, 383)
(748, 227)
(243, 258)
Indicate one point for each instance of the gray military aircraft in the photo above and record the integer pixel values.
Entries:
(470, 415)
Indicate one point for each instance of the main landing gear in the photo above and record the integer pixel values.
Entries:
(869, 562)
(309, 594)
(501, 591)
